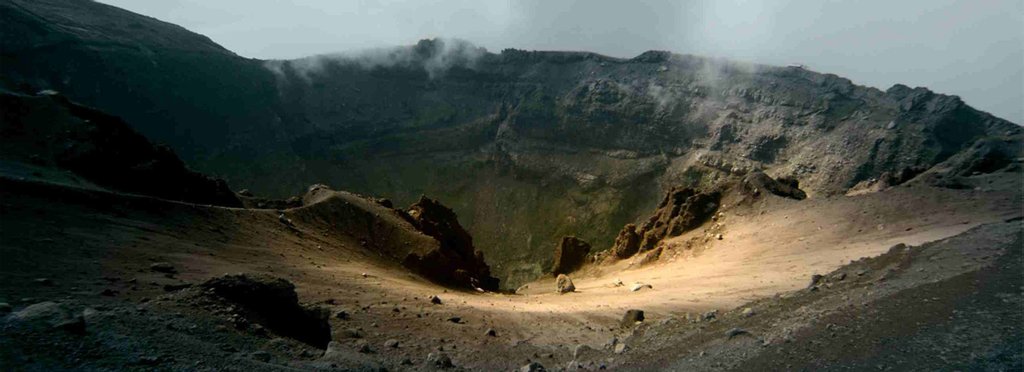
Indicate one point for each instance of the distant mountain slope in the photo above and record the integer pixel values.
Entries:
(178, 87)
(525, 146)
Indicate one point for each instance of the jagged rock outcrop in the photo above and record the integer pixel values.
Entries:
(570, 254)
(48, 131)
(456, 260)
(681, 210)
(628, 242)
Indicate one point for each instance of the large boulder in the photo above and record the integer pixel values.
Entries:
(570, 254)
(272, 302)
(456, 261)
(563, 284)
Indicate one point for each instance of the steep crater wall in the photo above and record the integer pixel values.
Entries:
(526, 147)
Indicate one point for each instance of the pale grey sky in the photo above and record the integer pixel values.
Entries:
(974, 49)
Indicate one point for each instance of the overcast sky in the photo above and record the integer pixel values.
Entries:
(974, 49)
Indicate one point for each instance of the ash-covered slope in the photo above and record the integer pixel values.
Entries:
(47, 135)
(525, 146)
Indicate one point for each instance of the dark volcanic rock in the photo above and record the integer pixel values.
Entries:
(570, 254)
(439, 359)
(455, 261)
(681, 210)
(757, 182)
(631, 317)
(273, 302)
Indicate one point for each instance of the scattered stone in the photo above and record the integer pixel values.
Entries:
(392, 343)
(638, 286)
(735, 332)
(563, 284)
(163, 267)
(748, 312)
(285, 220)
(245, 192)
(455, 319)
(719, 236)
(44, 281)
(262, 356)
(50, 314)
(406, 362)
(570, 254)
(580, 351)
(620, 348)
(341, 314)
(148, 360)
(176, 287)
(710, 315)
(352, 333)
(815, 279)
(618, 283)
(363, 347)
(611, 343)
(439, 360)
(838, 277)
(631, 317)
(532, 367)
(435, 300)
(491, 333)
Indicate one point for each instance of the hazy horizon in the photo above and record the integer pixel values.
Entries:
(972, 50)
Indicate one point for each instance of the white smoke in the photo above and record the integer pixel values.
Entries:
(435, 56)
(661, 95)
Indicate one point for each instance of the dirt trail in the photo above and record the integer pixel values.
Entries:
(88, 241)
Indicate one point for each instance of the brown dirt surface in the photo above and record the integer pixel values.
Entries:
(95, 249)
